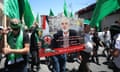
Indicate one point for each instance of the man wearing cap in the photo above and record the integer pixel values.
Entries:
(35, 44)
(17, 49)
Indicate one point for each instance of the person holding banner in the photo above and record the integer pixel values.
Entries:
(61, 39)
(17, 49)
(86, 53)
(35, 44)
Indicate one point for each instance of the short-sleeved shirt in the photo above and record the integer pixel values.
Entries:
(88, 43)
(117, 45)
(25, 40)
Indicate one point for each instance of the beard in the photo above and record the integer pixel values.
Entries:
(65, 30)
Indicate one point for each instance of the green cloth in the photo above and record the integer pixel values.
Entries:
(11, 9)
(28, 15)
(102, 9)
(15, 43)
(37, 37)
(13, 26)
(71, 15)
(51, 13)
(19, 9)
(65, 9)
(37, 18)
(86, 21)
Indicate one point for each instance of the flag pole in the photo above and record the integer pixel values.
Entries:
(5, 27)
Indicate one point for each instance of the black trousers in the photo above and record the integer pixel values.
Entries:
(115, 69)
(17, 67)
(35, 57)
(83, 66)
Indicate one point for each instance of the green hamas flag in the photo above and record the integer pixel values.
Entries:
(11, 9)
(19, 9)
(28, 15)
(103, 8)
(51, 13)
(71, 15)
(65, 9)
(37, 18)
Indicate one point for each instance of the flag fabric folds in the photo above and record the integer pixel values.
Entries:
(65, 9)
(71, 15)
(51, 13)
(28, 15)
(86, 21)
(102, 9)
(37, 18)
(45, 26)
(11, 9)
(19, 9)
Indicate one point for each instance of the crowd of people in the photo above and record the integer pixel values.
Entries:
(22, 44)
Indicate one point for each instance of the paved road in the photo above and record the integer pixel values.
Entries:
(74, 66)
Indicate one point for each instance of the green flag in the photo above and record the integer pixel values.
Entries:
(86, 21)
(51, 13)
(28, 15)
(19, 9)
(71, 15)
(37, 18)
(11, 9)
(103, 8)
(65, 9)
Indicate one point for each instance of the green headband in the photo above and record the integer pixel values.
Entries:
(14, 26)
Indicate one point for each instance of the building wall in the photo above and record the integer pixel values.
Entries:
(107, 21)
(86, 15)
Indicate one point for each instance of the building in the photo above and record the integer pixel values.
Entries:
(87, 13)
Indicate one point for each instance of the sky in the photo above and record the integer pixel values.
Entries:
(43, 6)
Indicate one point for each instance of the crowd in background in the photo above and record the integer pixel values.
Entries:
(18, 52)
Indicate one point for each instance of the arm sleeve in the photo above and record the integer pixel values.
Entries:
(117, 44)
(26, 38)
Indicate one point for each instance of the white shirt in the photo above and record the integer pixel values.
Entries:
(108, 36)
(88, 43)
(117, 45)
(65, 40)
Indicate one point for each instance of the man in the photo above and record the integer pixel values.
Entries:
(107, 42)
(116, 51)
(62, 39)
(17, 49)
(35, 44)
(116, 54)
(96, 43)
(85, 54)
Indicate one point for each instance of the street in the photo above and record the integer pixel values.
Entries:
(72, 67)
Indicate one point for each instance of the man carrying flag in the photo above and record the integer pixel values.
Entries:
(35, 44)
(17, 49)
